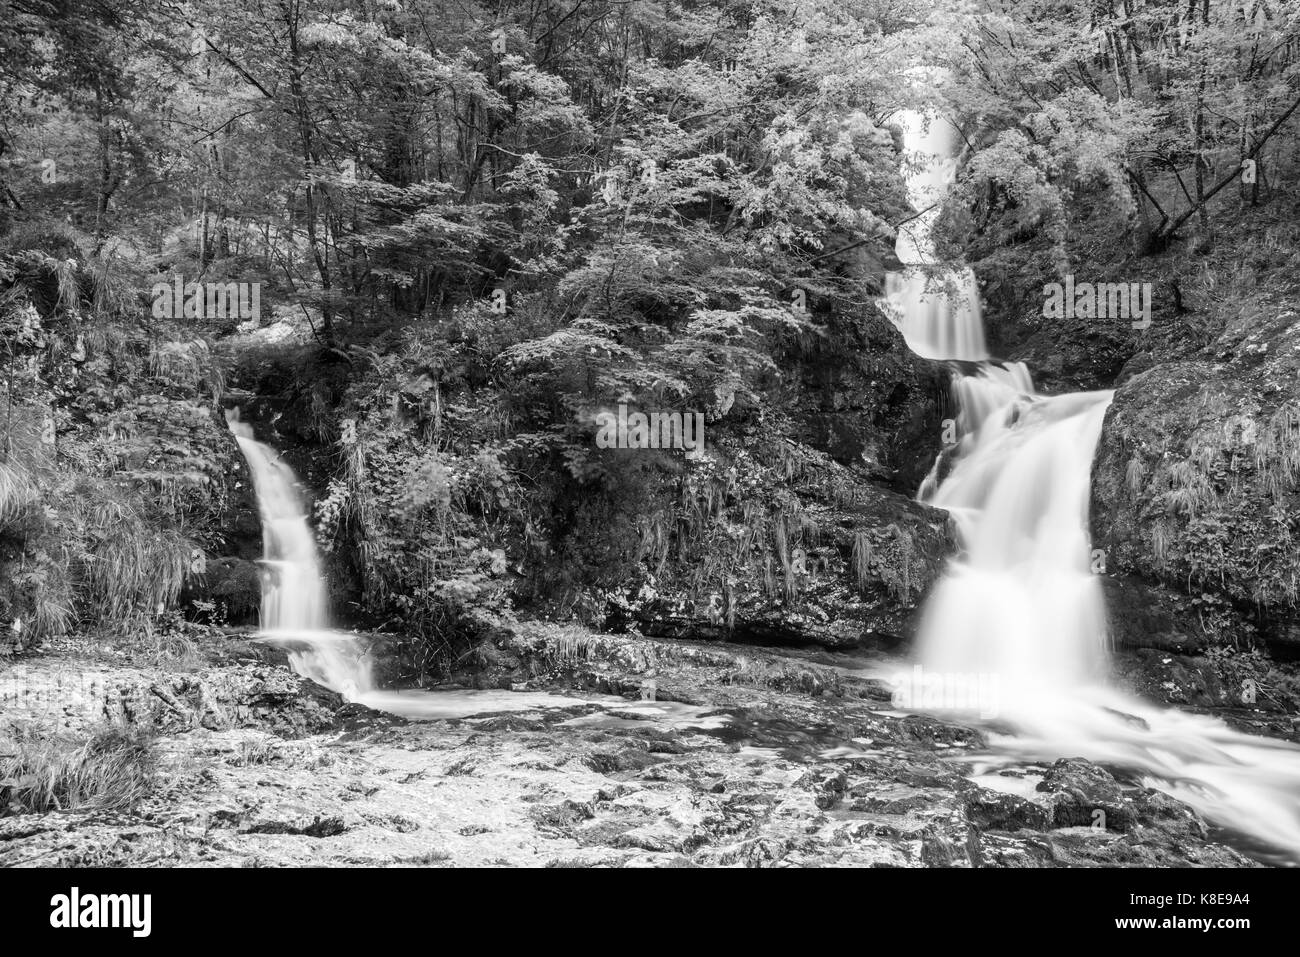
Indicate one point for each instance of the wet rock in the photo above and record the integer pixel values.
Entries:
(72, 697)
(1249, 691)
(1195, 474)
(954, 846)
(614, 762)
(1080, 794)
(758, 776)
(318, 826)
(1145, 615)
(872, 403)
(1176, 679)
(1175, 820)
(394, 822)
(998, 810)
(661, 837)
(562, 815)
(877, 554)
(893, 800)
(831, 786)
(926, 728)
(932, 775)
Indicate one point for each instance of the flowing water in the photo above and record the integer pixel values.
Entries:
(938, 314)
(294, 607)
(1019, 615)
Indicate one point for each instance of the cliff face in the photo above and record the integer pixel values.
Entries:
(785, 546)
(807, 532)
(1195, 483)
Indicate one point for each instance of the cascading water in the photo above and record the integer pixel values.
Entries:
(1020, 610)
(294, 607)
(1022, 602)
(293, 593)
(937, 323)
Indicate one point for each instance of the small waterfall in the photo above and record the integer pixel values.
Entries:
(937, 323)
(938, 317)
(293, 592)
(1019, 611)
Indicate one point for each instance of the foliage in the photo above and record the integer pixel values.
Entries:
(1118, 125)
(474, 229)
(111, 769)
(112, 468)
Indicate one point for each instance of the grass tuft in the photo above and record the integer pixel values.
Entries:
(113, 769)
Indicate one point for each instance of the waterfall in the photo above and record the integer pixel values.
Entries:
(938, 317)
(1019, 612)
(937, 323)
(294, 606)
(1021, 602)
(293, 592)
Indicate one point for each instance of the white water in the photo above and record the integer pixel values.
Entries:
(937, 322)
(294, 615)
(293, 593)
(1022, 602)
(1020, 606)
(938, 317)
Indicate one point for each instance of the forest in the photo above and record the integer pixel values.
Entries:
(577, 328)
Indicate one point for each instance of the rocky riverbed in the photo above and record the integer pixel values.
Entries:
(575, 749)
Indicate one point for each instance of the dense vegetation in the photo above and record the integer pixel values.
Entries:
(474, 228)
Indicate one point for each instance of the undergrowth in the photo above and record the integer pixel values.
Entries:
(112, 769)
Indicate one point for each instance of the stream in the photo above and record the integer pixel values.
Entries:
(1013, 636)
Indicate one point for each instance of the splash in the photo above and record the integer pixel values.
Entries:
(294, 613)
(1020, 606)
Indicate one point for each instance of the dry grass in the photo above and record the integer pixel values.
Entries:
(781, 542)
(188, 365)
(24, 460)
(892, 558)
(172, 651)
(1135, 478)
(861, 560)
(1160, 538)
(130, 571)
(113, 769)
(427, 859)
(270, 750)
(1277, 451)
(574, 644)
(52, 612)
(1188, 491)
(18, 494)
(255, 753)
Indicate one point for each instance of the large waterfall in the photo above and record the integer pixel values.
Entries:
(1020, 611)
(293, 593)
